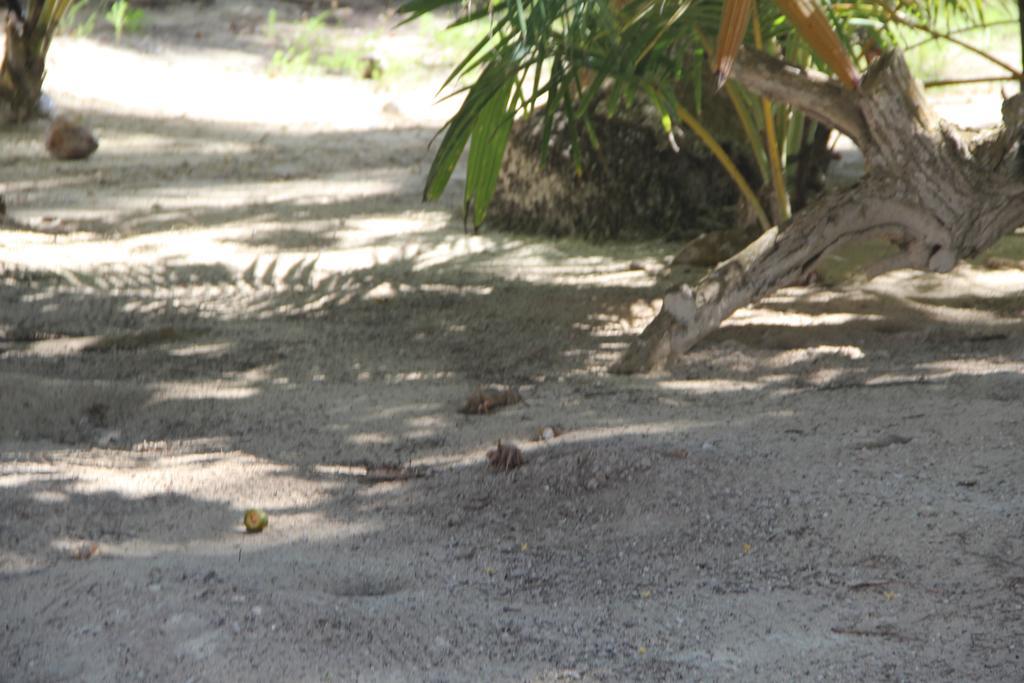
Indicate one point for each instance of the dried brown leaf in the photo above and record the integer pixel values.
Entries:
(811, 21)
(731, 29)
(505, 457)
(488, 399)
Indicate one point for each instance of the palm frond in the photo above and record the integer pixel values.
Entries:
(566, 55)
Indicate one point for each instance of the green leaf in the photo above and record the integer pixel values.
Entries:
(464, 66)
(486, 150)
(521, 16)
(494, 78)
(415, 8)
(555, 87)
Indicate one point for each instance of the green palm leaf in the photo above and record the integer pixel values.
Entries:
(565, 54)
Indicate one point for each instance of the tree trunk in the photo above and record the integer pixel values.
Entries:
(21, 81)
(24, 61)
(1020, 20)
(940, 194)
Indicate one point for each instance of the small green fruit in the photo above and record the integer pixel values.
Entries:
(255, 520)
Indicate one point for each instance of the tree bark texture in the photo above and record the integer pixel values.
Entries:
(937, 192)
(24, 62)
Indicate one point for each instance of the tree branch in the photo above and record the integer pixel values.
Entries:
(930, 189)
(809, 91)
(778, 259)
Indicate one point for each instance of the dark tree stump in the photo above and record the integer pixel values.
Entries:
(634, 186)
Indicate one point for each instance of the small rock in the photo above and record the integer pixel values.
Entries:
(68, 140)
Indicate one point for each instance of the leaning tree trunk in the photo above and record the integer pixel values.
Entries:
(939, 193)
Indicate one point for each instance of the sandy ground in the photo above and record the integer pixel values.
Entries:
(247, 304)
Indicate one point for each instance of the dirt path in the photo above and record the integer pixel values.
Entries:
(247, 304)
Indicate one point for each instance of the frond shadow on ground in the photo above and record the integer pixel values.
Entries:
(144, 404)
